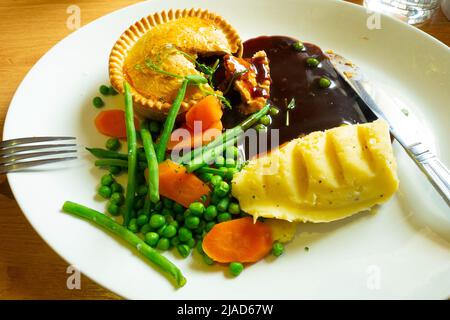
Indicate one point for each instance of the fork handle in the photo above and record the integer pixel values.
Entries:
(436, 172)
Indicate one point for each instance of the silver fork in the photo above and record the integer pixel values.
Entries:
(14, 153)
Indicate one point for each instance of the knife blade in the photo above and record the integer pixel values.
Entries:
(400, 128)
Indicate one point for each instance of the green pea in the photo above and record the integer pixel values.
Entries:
(168, 203)
(113, 209)
(219, 161)
(312, 62)
(223, 217)
(174, 241)
(141, 220)
(215, 180)
(260, 127)
(145, 228)
(200, 227)
(236, 268)
(277, 249)
(177, 208)
(151, 238)
(142, 212)
(223, 204)
(197, 208)
(266, 120)
(222, 189)
(104, 90)
(183, 250)
(115, 170)
(191, 243)
(104, 192)
(98, 102)
(132, 225)
(116, 187)
(273, 111)
(166, 212)
(154, 127)
(107, 180)
(210, 213)
(206, 177)
(187, 213)
(112, 144)
(174, 223)
(230, 173)
(112, 91)
(209, 226)
(298, 46)
(215, 199)
(157, 221)
(169, 232)
(324, 82)
(160, 230)
(184, 234)
(234, 208)
(117, 198)
(208, 260)
(199, 247)
(192, 222)
(230, 163)
(163, 244)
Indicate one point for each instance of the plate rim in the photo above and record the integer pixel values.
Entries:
(7, 134)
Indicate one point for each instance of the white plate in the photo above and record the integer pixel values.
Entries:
(402, 251)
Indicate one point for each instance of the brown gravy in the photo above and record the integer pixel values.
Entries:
(315, 108)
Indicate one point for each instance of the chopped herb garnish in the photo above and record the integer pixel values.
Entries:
(291, 104)
(151, 65)
(233, 79)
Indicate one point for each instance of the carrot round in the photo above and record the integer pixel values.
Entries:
(238, 240)
(185, 138)
(177, 184)
(112, 123)
(208, 111)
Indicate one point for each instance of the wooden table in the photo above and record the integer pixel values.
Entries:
(29, 269)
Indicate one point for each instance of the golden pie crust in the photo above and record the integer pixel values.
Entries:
(156, 37)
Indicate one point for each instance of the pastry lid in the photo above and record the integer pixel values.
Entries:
(182, 28)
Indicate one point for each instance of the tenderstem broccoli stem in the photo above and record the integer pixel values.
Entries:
(152, 164)
(132, 155)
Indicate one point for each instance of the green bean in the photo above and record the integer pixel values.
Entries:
(111, 162)
(132, 155)
(226, 136)
(152, 163)
(170, 122)
(107, 223)
(107, 154)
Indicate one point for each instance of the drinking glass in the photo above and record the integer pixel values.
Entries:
(410, 11)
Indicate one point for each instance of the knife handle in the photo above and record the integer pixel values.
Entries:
(436, 172)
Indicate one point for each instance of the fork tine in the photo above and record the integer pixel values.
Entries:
(13, 142)
(18, 149)
(28, 164)
(13, 158)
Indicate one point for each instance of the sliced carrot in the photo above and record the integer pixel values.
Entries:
(185, 138)
(207, 111)
(180, 186)
(238, 240)
(112, 123)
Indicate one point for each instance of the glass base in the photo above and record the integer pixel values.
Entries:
(411, 14)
